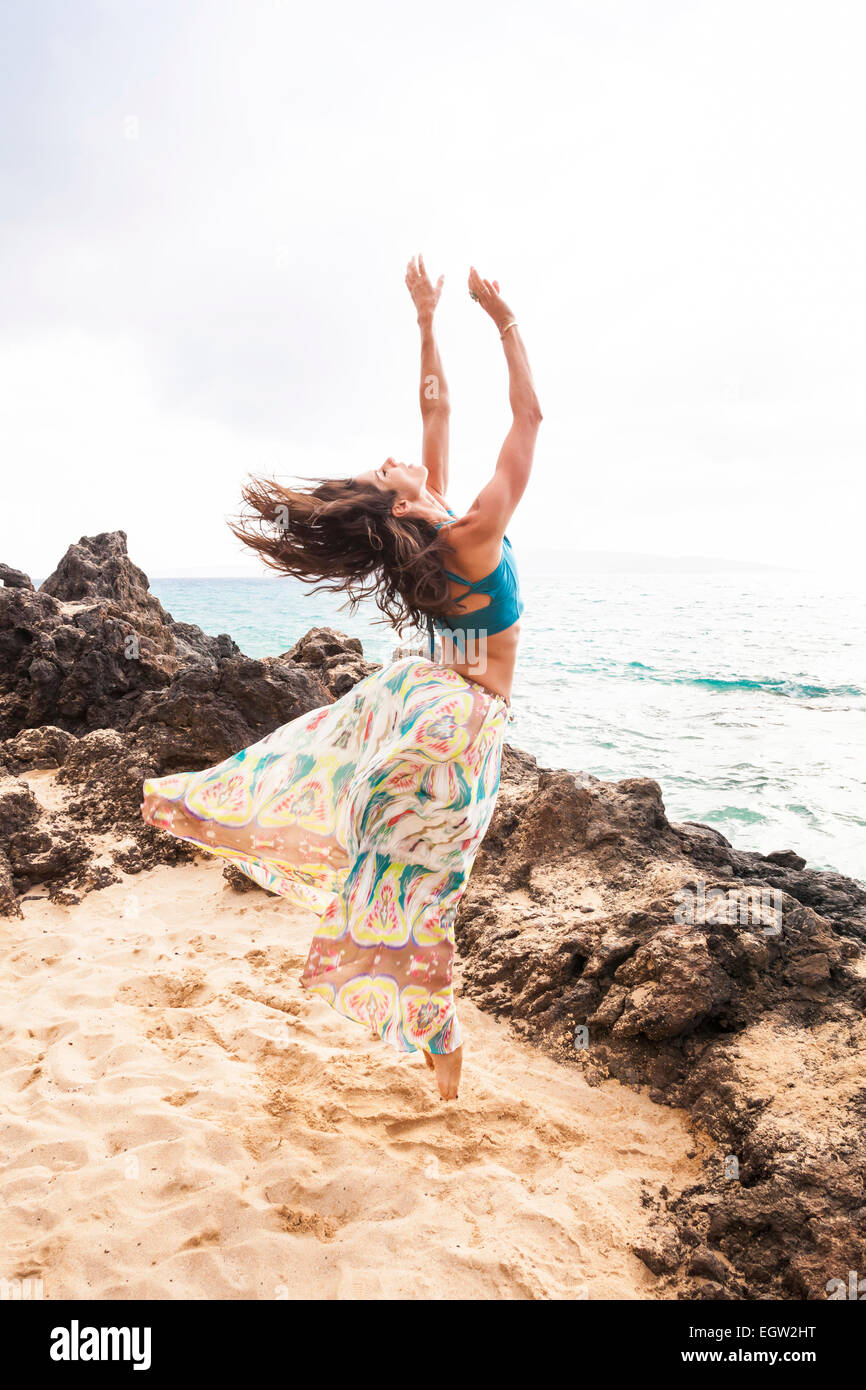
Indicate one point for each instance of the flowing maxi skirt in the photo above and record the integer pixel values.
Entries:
(369, 812)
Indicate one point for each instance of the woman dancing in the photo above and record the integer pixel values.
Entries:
(370, 811)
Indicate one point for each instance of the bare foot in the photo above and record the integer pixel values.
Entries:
(447, 1068)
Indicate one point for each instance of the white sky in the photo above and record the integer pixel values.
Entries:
(671, 195)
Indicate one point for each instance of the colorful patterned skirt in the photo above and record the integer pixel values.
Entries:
(369, 812)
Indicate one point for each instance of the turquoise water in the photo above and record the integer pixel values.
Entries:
(743, 696)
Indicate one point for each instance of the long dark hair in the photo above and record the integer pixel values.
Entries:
(341, 535)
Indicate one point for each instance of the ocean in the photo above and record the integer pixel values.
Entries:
(743, 695)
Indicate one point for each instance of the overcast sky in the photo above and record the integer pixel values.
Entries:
(207, 210)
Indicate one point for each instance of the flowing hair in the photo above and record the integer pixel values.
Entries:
(341, 535)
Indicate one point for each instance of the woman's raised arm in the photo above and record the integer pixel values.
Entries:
(495, 504)
(435, 406)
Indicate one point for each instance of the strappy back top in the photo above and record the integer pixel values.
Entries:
(503, 586)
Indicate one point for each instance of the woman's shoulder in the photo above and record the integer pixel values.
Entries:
(475, 554)
(473, 530)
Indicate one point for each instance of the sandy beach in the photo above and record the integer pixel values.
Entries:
(182, 1121)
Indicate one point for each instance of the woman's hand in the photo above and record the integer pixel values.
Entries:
(425, 296)
(488, 296)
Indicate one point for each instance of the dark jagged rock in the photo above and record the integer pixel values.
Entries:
(659, 955)
(81, 651)
(35, 846)
(51, 852)
(102, 778)
(99, 568)
(662, 1255)
(15, 579)
(19, 809)
(208, 713)
(45, 747)
(191, 644)
(831, 894)
(103, 774)
(9, 906)
(783, 1198)
(74, 665)
(239, 882)
(321, 644)
(337, 660)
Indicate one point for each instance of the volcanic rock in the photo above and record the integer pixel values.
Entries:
(81, 651)
(337, 660)
(207, 713)
(15, 579)
(45, 747)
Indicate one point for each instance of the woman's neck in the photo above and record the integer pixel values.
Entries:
(430, 510)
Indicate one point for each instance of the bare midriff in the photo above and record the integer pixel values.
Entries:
(498, 657)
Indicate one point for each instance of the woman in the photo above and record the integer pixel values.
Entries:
(370, 810)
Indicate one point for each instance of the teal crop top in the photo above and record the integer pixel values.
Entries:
(503, 586)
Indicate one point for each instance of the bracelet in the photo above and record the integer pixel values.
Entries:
(512, 324)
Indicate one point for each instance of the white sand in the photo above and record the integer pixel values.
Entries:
(179, 1120)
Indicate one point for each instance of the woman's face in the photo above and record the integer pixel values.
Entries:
(406, 479)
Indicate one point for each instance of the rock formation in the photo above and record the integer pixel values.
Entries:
(337, 660)
(14, 579)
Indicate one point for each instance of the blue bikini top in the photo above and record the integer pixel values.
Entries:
(503, 586)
